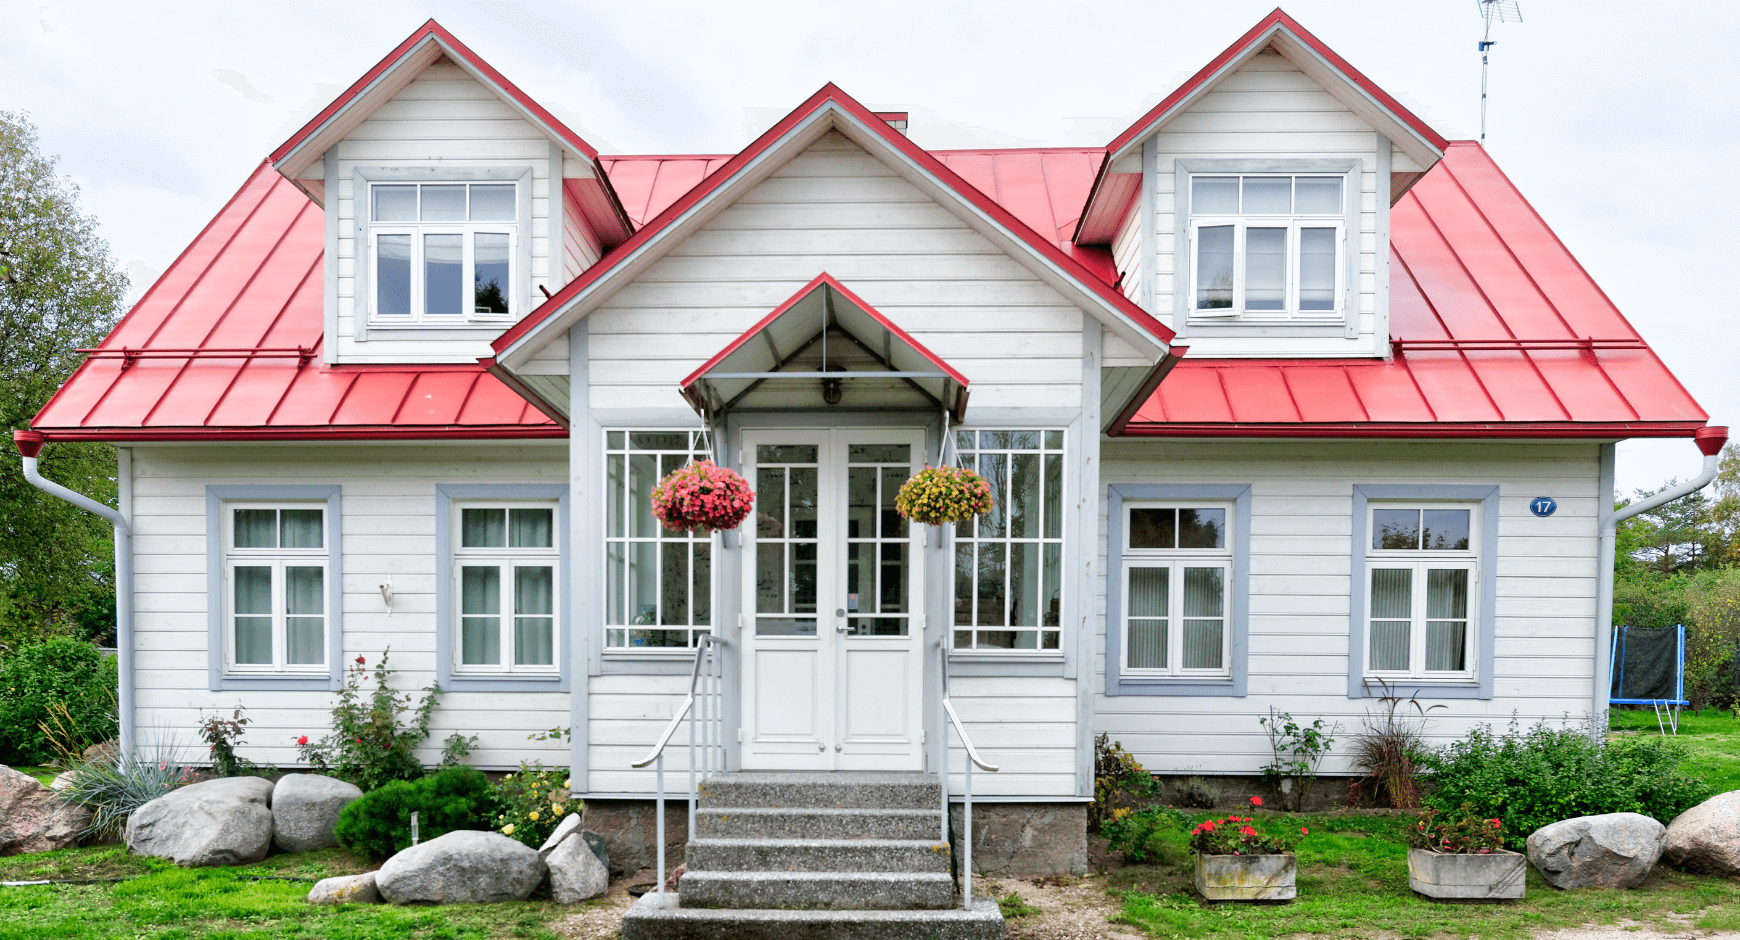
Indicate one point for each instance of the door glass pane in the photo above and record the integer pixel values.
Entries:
(480, 615)
(995, 469)
(1445, 529)
(879, 453)
(1153, 528)
(785, 453)
(803, 577)
(1025, 511)
(490, 287)
(1268, 195)
(1214, 195)
(1214, 267)
(395, 204)
(301, 528)
(770, 503)
(1149, 595)
(305, 621)
(1265, 268)
(675, 609)
(803, 502)
(993, 607)
(393, 275)
(877, 626)
(1392, 605)
(534, 615)
(443, 274)
(444, 203)
(482, 528)
(891, 579)
(256, 528)
(861, 503)
(1201, 528)
(1053, 496)
(770, 578)
(531, 528)
(860, 577)
(1395, 528)
(252, 586)
(1024, 579)
(893, 523)
(1317, 269)
(1204, 618)
(492, 202)
(1318, 195)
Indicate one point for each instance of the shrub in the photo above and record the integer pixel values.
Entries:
(113, 787)
(1140, 834)
(1117, 777)
(221, 736)
(62, 685)
(1245, 835)
(1387, 751)
(379, 824)
(1529, 780)
(1299, 751)
(368, 746)
(1195, 793)
(531, 804)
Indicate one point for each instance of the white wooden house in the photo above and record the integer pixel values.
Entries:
(412, 385)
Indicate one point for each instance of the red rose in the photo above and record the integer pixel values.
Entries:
(302, 740)
(359, 660)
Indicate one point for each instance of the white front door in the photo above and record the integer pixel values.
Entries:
(833, 587)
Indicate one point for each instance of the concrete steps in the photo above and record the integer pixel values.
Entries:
(840, 856)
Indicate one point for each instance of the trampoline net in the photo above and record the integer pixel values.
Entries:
(1644, 664)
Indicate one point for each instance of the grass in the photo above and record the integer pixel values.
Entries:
(1711, 738)
(1014, 905)
(43, 775)
(1353, 882)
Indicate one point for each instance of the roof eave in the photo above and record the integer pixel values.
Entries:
(1425, 431)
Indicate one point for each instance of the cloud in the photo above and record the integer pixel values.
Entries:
(240, 83)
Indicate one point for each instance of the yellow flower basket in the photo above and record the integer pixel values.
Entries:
(936, 495)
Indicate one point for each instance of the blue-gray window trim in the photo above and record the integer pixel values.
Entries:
(1233, 685)
(445, 494)
(218, 679)
(1487, 496)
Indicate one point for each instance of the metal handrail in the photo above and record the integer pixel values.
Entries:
(967, 801)
(708, 723)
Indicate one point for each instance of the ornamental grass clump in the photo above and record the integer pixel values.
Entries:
(702, 495)
(936, 495)
(1244, 835)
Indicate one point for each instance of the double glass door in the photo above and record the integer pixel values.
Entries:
(833, 597)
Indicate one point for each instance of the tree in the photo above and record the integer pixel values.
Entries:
(1678, 536)
(1725, 510)
(59, 291)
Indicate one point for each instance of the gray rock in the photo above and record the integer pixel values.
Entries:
(1706, 838)
(217, 822)
(462, 867)
(32, 818)
(305, 808)
(1616, 850)
(345, 889)
(568, 827)
(595, 842)
(576, 874)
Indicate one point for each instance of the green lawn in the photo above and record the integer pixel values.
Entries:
(1353, 882)
(1711, 738)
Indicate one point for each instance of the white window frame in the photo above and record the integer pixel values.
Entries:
(1419, 561)
(618, 637)
(277, 559)
(1294, 222)
(506, 559)
(1042, 632)
(467, 230)
(1177, 559)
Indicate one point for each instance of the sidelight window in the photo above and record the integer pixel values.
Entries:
(658, 583)
(1008, 586)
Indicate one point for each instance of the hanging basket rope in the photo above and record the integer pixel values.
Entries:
(702, 495)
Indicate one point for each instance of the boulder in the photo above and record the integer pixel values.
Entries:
(345, 889)
(1706, 838)
(568, 827)
(462, 867)
(1616, 850)
(215, 822)
(305, 808)
(32, 818)
(579, 870)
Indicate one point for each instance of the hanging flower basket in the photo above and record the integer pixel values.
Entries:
(702, 495)
(943, 494)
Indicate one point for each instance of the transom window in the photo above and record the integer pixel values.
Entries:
(442, 252)
(1176, 581)
(275, 569)
(505, 568)
(658, 583)
(1422, 570)
(1267, 246)
(1009, 562)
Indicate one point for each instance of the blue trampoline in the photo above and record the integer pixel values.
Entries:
(1648, 667)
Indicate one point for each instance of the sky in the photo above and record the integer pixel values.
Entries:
(1607, 116)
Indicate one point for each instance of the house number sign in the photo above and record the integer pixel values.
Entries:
(1543, 506)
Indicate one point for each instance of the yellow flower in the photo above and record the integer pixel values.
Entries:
(557, 809)
(533, 815)
(508, 829)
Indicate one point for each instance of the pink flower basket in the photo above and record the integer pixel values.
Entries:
(702, 495)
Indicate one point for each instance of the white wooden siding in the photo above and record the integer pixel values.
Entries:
(1301, 524)
(837, 209)
(443, 117)
(1268, 109)
(388, 529)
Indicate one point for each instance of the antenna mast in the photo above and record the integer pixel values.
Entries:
(1492, 11)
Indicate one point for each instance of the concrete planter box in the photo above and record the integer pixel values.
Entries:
(1247, 877)
(1501, 874)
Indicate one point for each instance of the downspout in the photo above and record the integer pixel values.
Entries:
(30, 444)
(1709, 441)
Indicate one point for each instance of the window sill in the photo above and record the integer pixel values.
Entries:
(484, 331)
(1234, 326)
(475, 682)
(1430, 688)
(1177, 686)
(275, 682)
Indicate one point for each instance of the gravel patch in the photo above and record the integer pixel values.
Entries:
(1069, 909)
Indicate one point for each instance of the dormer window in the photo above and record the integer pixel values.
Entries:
(1268, 246)
(443, 252)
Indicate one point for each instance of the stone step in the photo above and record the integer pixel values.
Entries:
(858, 890)
(823, 790)
(818, 855)
(649, 919)
(766, 822)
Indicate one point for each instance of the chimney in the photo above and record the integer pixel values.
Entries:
(895, 119)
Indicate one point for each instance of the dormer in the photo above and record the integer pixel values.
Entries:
(454, 205)
(1249, 210)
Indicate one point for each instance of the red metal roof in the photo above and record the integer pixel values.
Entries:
(226, 345)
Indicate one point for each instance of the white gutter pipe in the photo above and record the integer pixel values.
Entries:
(30, 444)
(1709, 441)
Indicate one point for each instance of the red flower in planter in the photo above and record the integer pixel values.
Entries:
(1256, 801)
(1304, 831)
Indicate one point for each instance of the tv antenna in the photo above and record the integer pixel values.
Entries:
(1492, 11)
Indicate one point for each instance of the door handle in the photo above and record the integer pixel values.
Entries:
(841, 627)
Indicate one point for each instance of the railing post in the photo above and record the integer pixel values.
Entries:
(661, 828)
(967, 826)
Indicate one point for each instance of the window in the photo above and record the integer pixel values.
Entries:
(505, 572)
(1177, 578)
(442, 252)
(1421, 576)
(1267, 247)
(658, 583)
(1009, 562)
(275, 588)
